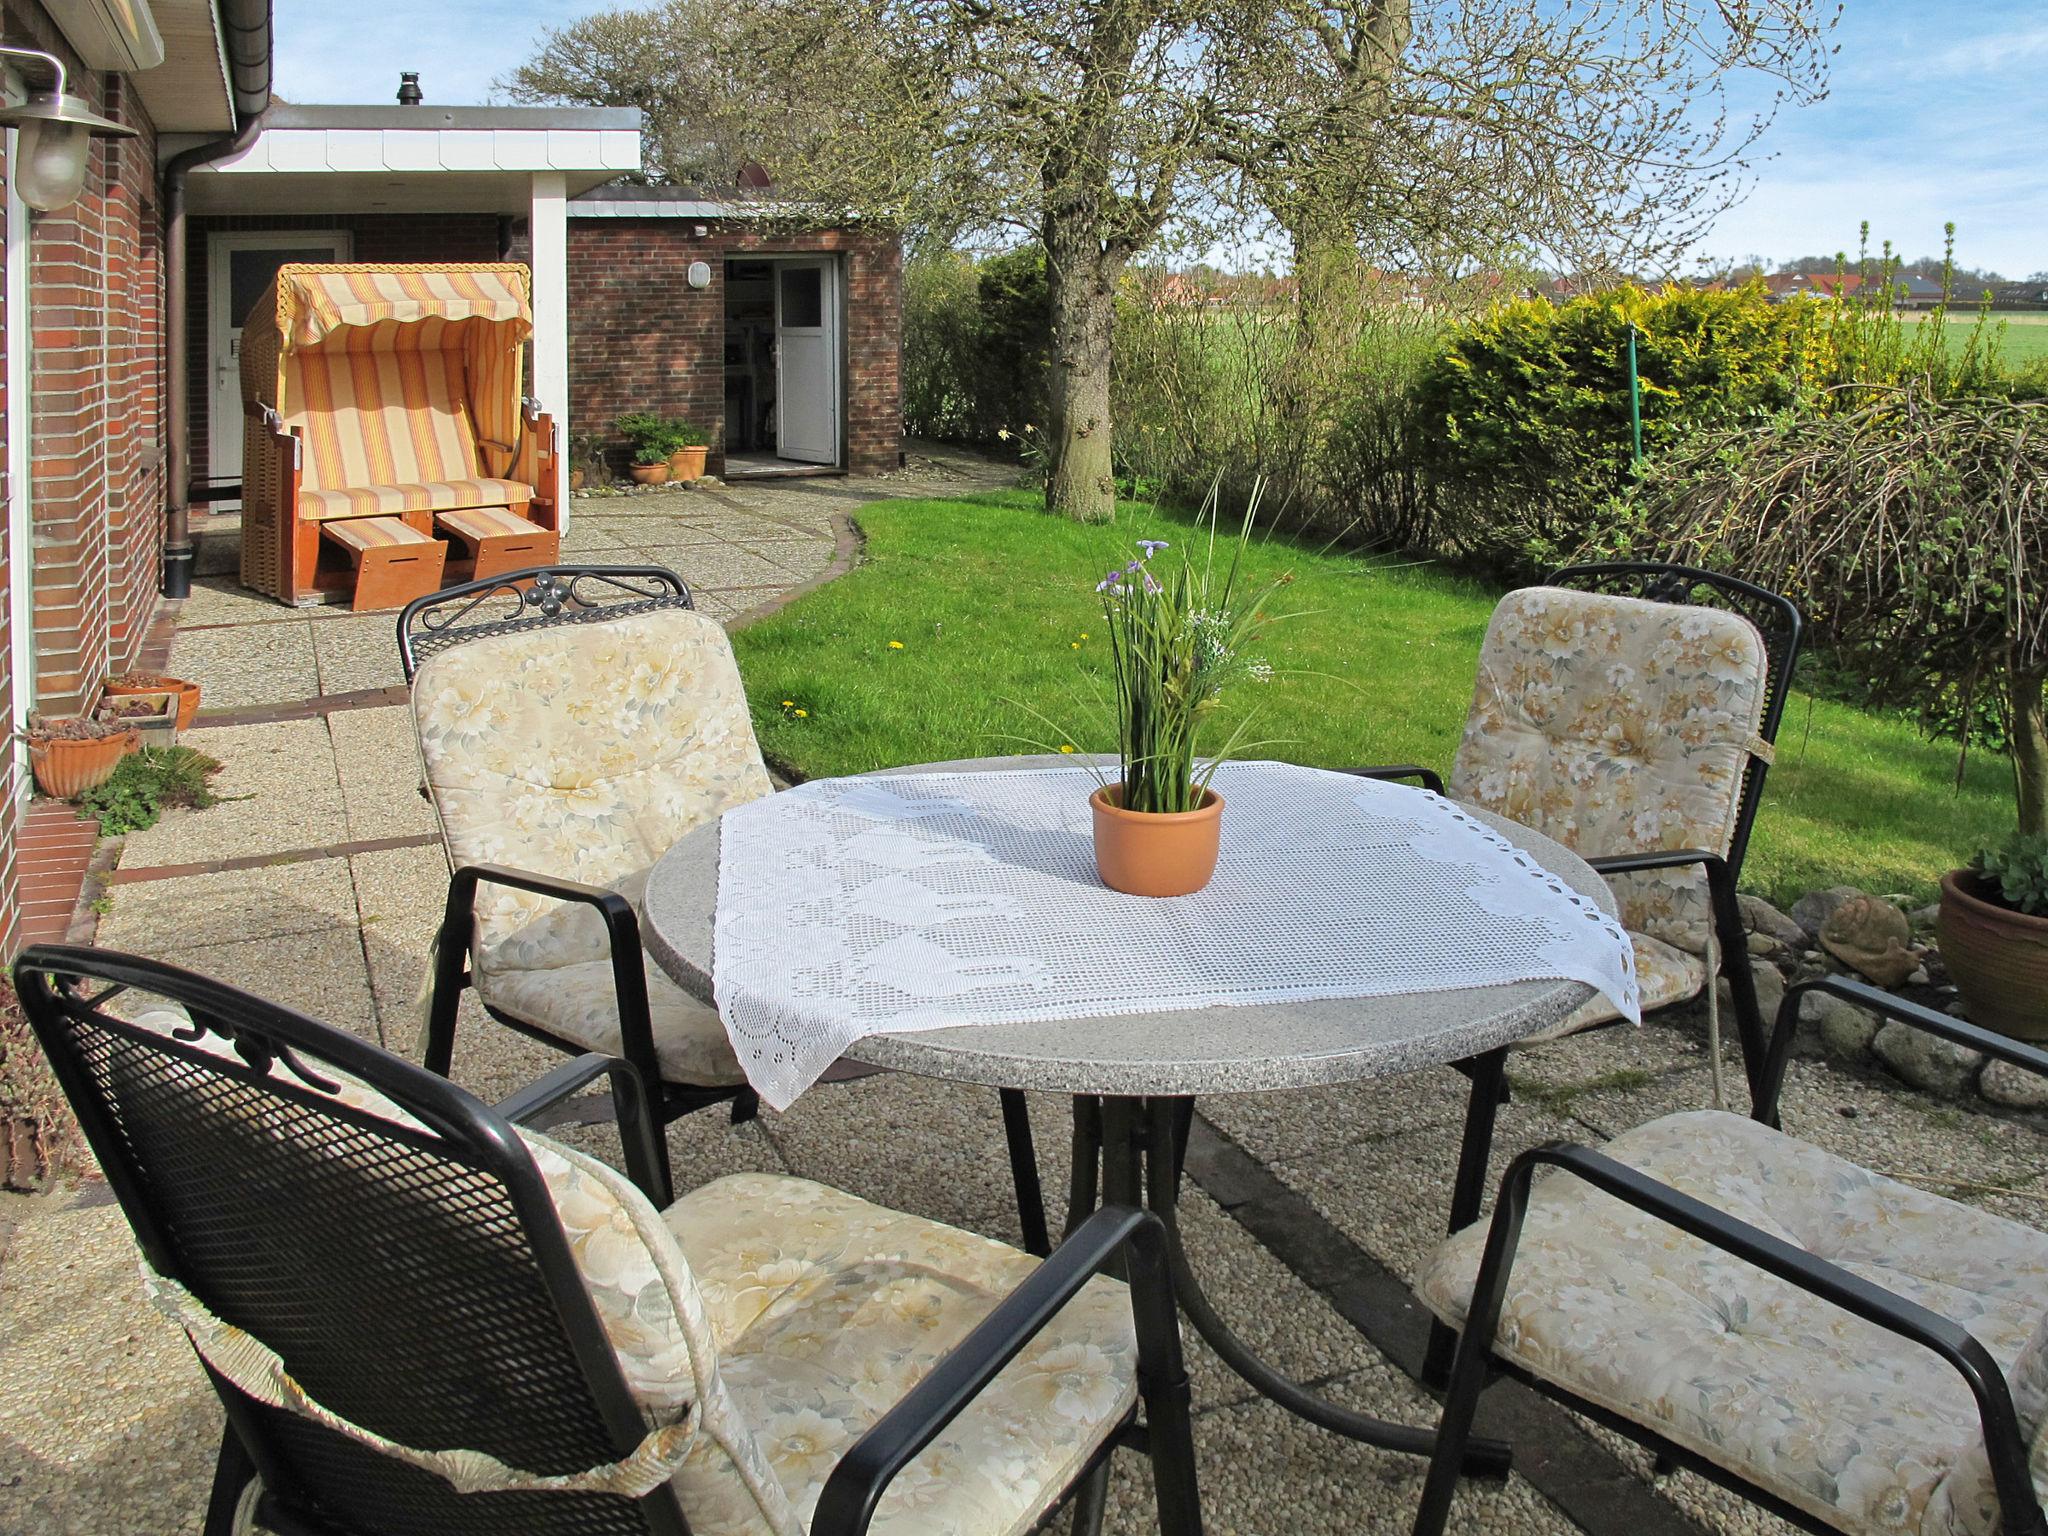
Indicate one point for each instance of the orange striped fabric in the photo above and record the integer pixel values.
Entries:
(316, 301)
(381, 418)
(418, 496)
(361, 533)
(486, 522)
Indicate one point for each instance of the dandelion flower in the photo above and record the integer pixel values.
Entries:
(1066, 746)
(1073, 645)
(803, 714)
(789, 703)
(1084, 634)
(1003, 434)
(895, 645)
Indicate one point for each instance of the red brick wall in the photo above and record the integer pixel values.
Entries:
(11, 787)
(641, 339)
(376, 237)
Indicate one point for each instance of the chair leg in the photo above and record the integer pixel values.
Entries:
(231, 1474)
(1091, 1501)
(1468, 1189)
(1163, 1383)
(1024, 1171)
(444, 1004)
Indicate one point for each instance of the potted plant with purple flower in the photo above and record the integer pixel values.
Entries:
(1181, 632)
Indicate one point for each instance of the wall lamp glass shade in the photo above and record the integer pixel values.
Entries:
(55, 147)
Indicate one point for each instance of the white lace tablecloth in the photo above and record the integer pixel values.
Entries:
(878, 905)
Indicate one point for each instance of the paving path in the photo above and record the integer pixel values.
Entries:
(318, 883)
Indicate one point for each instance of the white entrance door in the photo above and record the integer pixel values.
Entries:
(240, 266)
(807, 360)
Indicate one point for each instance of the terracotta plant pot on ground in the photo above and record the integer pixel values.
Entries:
(1155, 854)
(687, 463)
(154, 714)
(157, 682)
(66, 767)
(575, 479)
(1998, 958)
(650, 474)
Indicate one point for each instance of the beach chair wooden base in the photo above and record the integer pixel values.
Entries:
(394, 563)
(497, 540)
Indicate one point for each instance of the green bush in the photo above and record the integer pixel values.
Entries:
(975, 354)
(145, 785)
(2019, 868)
(1526, 412)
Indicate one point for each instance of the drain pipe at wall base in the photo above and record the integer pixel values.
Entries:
(247, 23)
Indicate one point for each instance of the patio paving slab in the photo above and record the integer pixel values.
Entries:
(164, 916)
(360, 651)
(321, 973)
(379, 764)
(224, 600)
(245, 664)
(280, 790)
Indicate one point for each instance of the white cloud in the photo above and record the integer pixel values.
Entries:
(1998, 53)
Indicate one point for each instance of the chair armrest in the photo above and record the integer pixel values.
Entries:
(871, 1462)
(1428, 778)
(622, 932)
(1662, 858)
(1884, 1309)
(2031, 1058)
(629, 1108)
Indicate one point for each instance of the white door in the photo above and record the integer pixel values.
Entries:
(20, 429)
(807, 360)
(240, 266)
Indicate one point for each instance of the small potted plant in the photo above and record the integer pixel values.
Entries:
(154, 714)
(71, 754)
(586, 454)
(650, 466)
(687, 449)
(1179, 635)
(158, 682)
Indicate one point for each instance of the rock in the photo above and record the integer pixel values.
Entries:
(1843, 1029)
(1770, 992)
(1924, 918)
(707, 483)
(1761, 918)
(1927, 1061)
(1812, 910)
(2014, 1087)
(1872, 938)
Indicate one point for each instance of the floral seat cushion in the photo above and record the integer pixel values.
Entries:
(585, 751)
(1618, 725)
(1852, 1425)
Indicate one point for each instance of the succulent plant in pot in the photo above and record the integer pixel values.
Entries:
(71, 754)
(1912, 526)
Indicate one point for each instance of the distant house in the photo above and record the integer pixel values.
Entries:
(1907, 292)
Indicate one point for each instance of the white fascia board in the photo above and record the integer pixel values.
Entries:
(522, 149)
(468, 149)
(618, 150)
(435, 150)
(407, 150)
(294, 150)
(355, 149)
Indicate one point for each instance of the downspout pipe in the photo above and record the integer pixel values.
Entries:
(246, 26)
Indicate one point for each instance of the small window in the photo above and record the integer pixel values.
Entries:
(803, 297)
(250, 272)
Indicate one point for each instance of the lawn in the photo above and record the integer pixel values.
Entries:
(2021, 338)
(966, 615)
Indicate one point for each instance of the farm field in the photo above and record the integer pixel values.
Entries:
(2023, 338)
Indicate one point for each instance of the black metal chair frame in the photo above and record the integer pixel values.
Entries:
(1778, 621)
(2006, 1447)
(510, 604)
(64, 990)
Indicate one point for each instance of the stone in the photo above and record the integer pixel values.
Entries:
(1843, 1030)
(1872, 937)
(1927, 1061)
(1764, 920)
(1770, 991)
(1813, 909)
(1924, 918)
(2014, 1087)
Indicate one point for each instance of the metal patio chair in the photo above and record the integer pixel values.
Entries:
(1849, 1352)
(1629, 711)
(574, 722)
(423, 1320)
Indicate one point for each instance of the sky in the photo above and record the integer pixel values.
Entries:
(1935, 113)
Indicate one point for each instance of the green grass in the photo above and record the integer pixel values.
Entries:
(988, 598)
(2021, 338)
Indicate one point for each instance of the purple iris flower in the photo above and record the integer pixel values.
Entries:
(1153, 546)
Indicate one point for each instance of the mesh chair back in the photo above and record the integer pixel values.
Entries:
(522, 600)
(1777, 620)
(412, 1275)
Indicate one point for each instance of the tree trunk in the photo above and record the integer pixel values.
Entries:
(2030, 749)
(1081, 278)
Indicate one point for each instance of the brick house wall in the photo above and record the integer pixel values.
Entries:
(374, 236)
(642, 339)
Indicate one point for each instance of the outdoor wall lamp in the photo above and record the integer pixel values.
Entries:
(55, 130)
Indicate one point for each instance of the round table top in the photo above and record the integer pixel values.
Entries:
(1186, 1051)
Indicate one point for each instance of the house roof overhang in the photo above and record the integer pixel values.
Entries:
(189, 92)
(341, 159)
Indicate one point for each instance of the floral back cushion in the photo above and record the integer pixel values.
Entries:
(1967, 1502)
(1617, 725)
(583, 750)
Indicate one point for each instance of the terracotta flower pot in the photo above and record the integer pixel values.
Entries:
(575, 479)
(188, 694)
(687, 463)
(1155, 854)
(67, 768)
(650, 474)
(1998, 958)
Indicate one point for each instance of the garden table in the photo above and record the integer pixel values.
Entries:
(1133, 1077)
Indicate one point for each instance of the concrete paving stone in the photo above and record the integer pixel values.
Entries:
(319, 973)
(399, 895)
(726, 606)
(1604, 1106)
(640, 534)
(1713, 1507)
(279, 789)
(163, 916)
(1667, 1041)
(358, 652)
(378, 763)
(745, 528)
(249, 664)
(805, 560)
(718, 566)
(1391, 1195)
(1296, 1122)
(1263, 1472)
(106, 1424)
(224, 600)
